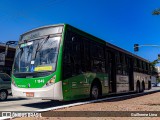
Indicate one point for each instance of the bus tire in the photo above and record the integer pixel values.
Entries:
(138, 87)
(95, 92)
(3, 95)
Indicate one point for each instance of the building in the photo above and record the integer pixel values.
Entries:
(155, 77)
(6, 62)
(158, 71)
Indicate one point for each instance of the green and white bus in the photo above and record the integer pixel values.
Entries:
(61, 62)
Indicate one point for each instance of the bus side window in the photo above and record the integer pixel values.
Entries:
(86, 64)
(126, 65)
(118, 64)
(97, 58)
(67, 62)
(146, 66)
(72, 55)
(67, 67)
(76, 55)
(135, 62)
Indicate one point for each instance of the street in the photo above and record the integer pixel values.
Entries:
(22, 104)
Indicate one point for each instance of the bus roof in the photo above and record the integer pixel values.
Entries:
(47, 26)
(108, 44)
(90, 36)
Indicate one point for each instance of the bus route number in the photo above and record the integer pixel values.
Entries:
(39, 81)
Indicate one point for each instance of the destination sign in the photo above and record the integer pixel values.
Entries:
(41, 32)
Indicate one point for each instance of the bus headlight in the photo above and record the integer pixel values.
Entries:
(51, 81)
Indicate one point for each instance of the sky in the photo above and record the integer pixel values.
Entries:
(120, 22)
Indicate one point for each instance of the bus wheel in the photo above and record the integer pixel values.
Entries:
(3, 95)
(138, 87)
(95, 92)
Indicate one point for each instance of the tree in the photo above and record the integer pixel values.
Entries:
(155, 62)
(153, 69)
(156, 12)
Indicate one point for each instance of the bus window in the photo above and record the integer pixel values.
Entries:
(146, 66)
(117, 58)
(86, 64)
(97, 58)
(72, 55)
(76, 55)
(67, 67)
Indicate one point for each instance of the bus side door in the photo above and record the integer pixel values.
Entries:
(110, 68)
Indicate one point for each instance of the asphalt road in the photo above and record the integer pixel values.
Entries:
(21, 104)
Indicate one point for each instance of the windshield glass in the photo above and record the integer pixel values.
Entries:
(37, 55)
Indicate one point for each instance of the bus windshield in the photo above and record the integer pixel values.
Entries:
(37, 55)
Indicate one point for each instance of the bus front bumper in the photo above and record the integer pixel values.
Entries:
(53, 92)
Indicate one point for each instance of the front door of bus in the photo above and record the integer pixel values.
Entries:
(111, 69)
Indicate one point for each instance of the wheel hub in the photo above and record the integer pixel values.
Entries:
(95, 92)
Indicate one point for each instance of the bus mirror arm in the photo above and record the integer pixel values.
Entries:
(7, 45)
(6, 50)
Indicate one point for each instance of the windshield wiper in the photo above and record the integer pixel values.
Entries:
(39, 46)
(21, 52)
(29, 52)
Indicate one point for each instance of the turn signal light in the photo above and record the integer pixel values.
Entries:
(51, 81)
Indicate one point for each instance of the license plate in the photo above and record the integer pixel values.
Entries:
(29, 94)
